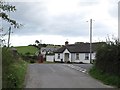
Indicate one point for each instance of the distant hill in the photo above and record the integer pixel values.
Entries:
(27, 49)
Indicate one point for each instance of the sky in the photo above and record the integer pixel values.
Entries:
(55, 21)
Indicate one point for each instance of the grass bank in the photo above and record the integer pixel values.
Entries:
(13, 70)
(107, 79)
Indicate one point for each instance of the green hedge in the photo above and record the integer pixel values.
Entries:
(108, 58)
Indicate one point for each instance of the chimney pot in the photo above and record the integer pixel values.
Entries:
(66, 43)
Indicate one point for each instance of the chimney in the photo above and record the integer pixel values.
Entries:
(66, 43)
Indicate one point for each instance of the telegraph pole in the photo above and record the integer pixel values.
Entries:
(119, 21)
(91, 40)
(9, 32)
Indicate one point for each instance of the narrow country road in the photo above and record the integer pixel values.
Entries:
(59, 76)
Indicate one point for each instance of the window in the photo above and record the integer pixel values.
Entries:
(87, 56)
(58, 56)
(77, 56)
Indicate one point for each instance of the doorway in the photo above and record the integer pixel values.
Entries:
(66, 57)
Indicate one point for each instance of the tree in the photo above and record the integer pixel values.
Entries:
(5, 7)
(37, 42)
(9, 8)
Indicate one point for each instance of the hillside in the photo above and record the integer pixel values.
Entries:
(27, 49)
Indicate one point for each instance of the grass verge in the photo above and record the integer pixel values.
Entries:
(13, 70)
(105, 78)
(19, 70)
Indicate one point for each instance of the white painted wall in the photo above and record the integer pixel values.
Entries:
(93, 55)
(50, 58)
(72, 57)
(81, 57)
(56, 57)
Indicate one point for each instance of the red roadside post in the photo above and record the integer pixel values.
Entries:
(40, 58)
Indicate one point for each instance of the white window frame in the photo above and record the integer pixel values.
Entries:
(87, 56)
(77, 56)
(58, 55)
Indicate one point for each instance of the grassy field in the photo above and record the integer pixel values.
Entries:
(27, 49)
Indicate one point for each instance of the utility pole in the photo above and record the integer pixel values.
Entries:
(91, 40)
(119, 21)
(9, 32)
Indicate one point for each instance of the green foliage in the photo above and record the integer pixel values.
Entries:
(32, 61)
(108, 58)
(28, 53)
(105, 77)
(9, 8)
(31, 50)
(37, 42)
(107, 64)
(13, 70)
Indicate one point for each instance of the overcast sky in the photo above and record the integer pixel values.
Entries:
(55, 21)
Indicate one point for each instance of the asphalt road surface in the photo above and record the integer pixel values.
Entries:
(59, 76)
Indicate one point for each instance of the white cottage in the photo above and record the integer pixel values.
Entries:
(75, 53)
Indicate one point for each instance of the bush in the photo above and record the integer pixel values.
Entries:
(32, 61)
(107, 65)
(108, 58)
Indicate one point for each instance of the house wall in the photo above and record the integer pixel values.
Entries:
(50, 58)
(66, 51)
(56, 57)
(81, 57)
(93, 55)
(72, 57)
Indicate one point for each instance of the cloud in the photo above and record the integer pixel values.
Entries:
(66, 18)
(113, 11)
(41, 18)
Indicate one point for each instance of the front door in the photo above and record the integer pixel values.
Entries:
(66, 57)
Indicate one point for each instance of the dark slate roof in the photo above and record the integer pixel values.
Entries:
(77, 48)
